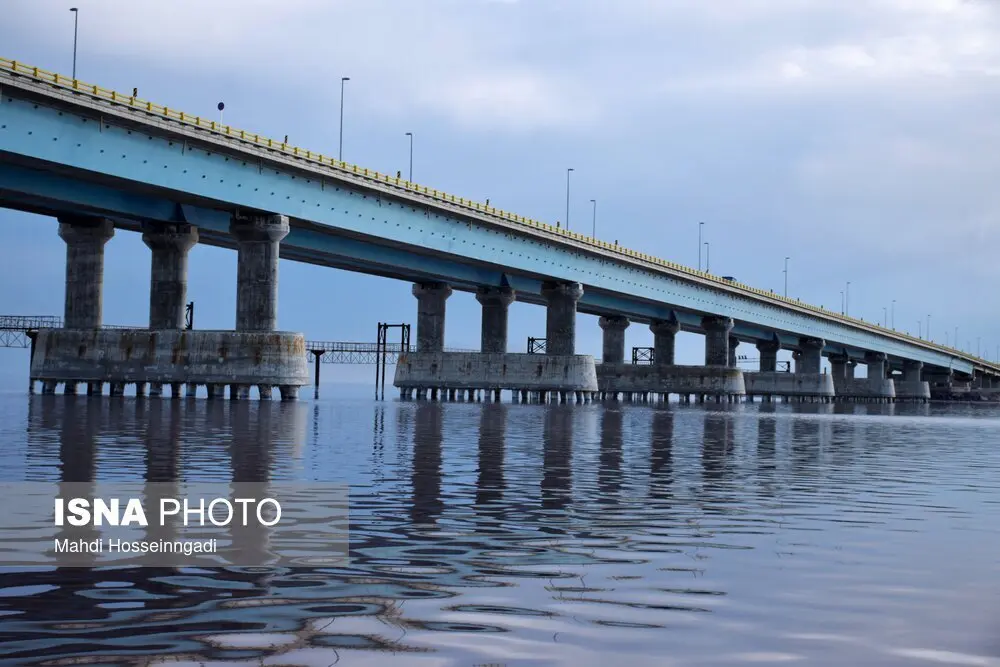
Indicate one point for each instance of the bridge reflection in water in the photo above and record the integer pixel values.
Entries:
(463, 520)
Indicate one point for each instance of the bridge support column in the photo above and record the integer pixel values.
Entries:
(85, 240)
(717, 331)
(733, 344)
(768, 350)
(431, 299)
(664, 339)
(912, 370)
(495, 302)
(811, 357)
(170, 244)
(257, 239)
(614, 339)
(560, 317)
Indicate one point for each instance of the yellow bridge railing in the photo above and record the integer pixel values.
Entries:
(280, 146)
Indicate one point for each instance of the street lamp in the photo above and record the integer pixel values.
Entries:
(708, 257)
(410, 135)
(570, 169)
(841, 302)
(593, 233)
(340, 150)
(76, 25)
(920, 329)
(700, 226)
(893, 314)
(786, 276)
(928, 327)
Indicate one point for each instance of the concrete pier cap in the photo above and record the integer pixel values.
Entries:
(85, 239)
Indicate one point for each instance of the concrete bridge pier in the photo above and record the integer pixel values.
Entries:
(257, 241)
(170, 245)
(463, 375)
(431, 298)
(560, 316)
(911, 386)
(614, 339)
(768, 351)
(881, 389)
(85, 240)
(717, 337)
(495, 302)
(664, 341)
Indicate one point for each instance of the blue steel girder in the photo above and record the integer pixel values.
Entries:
(101, 145)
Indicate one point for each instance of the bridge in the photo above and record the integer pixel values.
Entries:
(101, 161)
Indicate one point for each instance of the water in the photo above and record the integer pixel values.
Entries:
(530, 535)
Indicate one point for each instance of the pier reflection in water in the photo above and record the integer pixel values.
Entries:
(565, 534)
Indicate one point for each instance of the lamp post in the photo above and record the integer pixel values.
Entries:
(76, 26)
(928, 327)
(593, 233)
(708, 257)
(700, 226)
(893, 314)
(568, 171)
(410, 135)
(786, 276)
(920, 329)
(841, 302)
(340, 149)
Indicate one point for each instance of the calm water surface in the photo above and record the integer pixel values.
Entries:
(530, 535)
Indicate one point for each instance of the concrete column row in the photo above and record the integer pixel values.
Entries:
(257, 240)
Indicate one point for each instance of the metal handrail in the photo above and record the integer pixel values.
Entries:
(139, 104)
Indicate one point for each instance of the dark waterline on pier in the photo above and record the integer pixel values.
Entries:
(541, 534)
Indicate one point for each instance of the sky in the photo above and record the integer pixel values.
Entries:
(860, 139)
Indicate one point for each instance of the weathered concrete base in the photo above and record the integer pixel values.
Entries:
(170, 357)
(792, 385)
(685, 381)
(463, 375)
(912, 391)
(867, 390)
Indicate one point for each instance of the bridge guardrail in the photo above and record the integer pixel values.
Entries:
(139, 104)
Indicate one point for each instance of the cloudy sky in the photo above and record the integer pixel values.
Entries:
(861, 138)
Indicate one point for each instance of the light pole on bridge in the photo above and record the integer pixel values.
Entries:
(928, 327)
(786, 276)
(593, 233)
(340, 149)
(841, 302)
(700, 226)
(76, 26)
(410, 135)
(893, 314)
(568, 171)
(708, 257)
(920, 329)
